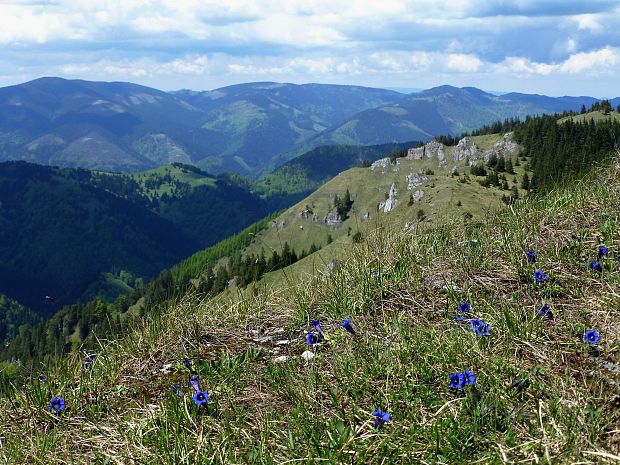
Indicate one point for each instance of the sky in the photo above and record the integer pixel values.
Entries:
(566, 47)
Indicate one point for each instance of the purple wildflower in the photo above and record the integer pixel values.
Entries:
(316, 324)
(470, 378)
(540, 276)
(481, 328)
(57, 404)
(346, 324)
(311, 339)
(596, 266)
(591, 336)
(88, 361)
(175, 390)
(381, 418)
(194, 382)
(457, 380)
(464, 307)
(531, 256)
(201, 398)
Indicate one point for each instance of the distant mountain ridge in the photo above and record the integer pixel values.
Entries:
(249, 129)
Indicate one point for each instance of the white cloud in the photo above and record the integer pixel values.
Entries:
(463, 63)
(589, 22)
(587, 63)
(593, 62)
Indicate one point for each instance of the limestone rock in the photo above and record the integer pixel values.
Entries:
(333, 220)
(391, 202)
(417, 195)
(364, 216)
(281, 358)
(466, 149)
(415, 179)
(307, 355)
(432, 149)
(502, 148)
(306, 214)
(384, 165)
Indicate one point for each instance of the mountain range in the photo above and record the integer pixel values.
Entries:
(249, 129)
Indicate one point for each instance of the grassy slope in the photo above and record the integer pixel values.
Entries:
(368, 189)
(262, 412)
(595, 115)
(177, 173)
(407, 343)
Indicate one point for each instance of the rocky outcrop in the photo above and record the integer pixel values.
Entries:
(385, 164)
(391, 202)
(333, 220)
(306, 214)
(416, 179)
(432, 149)
(502, 148)
(417, 196)
(364, 216)
(466, 149)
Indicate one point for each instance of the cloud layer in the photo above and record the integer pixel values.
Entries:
(568, 47)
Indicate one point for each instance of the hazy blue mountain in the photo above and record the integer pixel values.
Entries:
(440, 110)
(249, 124)
(110, 126)
(248, 129)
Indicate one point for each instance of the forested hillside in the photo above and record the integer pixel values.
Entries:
(76, 234)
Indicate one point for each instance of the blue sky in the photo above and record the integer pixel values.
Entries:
(551, 47)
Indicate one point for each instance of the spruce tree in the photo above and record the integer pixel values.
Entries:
(525, 183)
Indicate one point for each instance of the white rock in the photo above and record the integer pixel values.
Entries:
(391, 201)
(283, 342)
(281, 358)
(307, 355)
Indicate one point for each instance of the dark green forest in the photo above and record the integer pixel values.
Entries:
(83, 326)
(567, 149)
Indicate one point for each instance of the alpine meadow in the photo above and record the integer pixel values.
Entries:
(260, 233)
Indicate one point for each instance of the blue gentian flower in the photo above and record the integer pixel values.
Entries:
(484, 329)
(545, 310)
(540, 276)
(531, 256)
(602, 251)
(201, 398)
(194, 382)
(88, 361)
(475, 323)
(481, 328)
(596, 266)
(311, 339)
(177, 391)
(57, 404)
(520, 384)
(470, 378)
(381, 417)
(346, 324)
(316, 324)
(187, 363)
(591, 336)
(457, 380)
(460, 319)
(464, 307)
